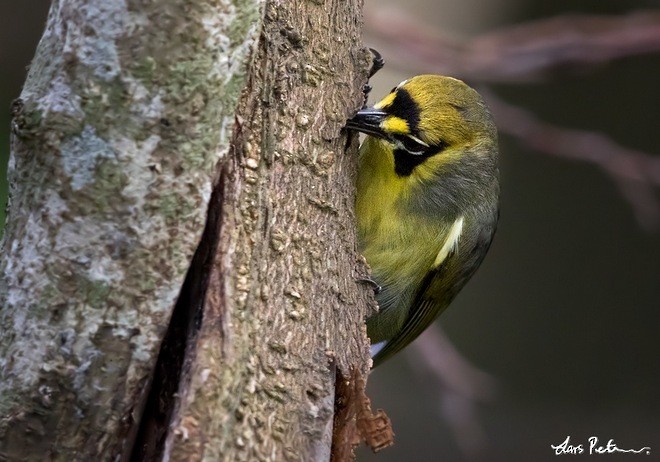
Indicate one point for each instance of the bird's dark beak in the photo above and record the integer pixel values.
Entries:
(368, 121)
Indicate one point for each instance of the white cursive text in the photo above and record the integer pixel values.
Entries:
(594, 447)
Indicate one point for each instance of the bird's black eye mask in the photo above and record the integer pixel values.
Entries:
(414, 146)
(409, 150)
(409, 154)
(405, 108)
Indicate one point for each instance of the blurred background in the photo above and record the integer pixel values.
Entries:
(558, 334)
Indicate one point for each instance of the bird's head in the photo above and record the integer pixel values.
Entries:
(428, 116)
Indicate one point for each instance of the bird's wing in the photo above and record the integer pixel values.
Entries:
(439, 287)
(423, 312)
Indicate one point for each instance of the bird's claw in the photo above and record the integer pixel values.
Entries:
(377, 288)
(377, 62)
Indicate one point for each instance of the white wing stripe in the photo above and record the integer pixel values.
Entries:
(451, 243)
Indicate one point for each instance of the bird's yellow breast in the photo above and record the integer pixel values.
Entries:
(400, 244)
(378, 189)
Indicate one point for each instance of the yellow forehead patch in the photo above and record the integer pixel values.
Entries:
(385, 102)
(396, 125)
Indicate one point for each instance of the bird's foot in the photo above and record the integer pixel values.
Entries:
(377, 289)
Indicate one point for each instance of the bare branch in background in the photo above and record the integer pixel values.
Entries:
(461, 387)
(636, 173)
(522, 53)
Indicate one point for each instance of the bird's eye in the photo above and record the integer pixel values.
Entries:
(412, 145)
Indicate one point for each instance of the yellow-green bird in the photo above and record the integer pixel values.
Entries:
(427, 201)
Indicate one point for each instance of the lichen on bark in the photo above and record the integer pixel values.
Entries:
(283, 308)
(121, 142)
(115, 140)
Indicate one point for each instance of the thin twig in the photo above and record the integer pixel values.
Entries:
(526, 52)
(435, 360)
(635, 172)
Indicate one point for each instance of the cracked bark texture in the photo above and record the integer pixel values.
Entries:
(283, 309)
(125, 113)
(126, 133)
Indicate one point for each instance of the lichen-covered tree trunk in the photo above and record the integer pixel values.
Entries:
(127, 146)
(282, 310)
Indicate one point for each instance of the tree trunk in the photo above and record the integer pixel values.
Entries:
(259, 384)
(122, 142)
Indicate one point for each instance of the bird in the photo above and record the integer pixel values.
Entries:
(427, 201)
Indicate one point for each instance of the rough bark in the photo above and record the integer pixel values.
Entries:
(283, 309)
(120, 143)
(124, 115)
